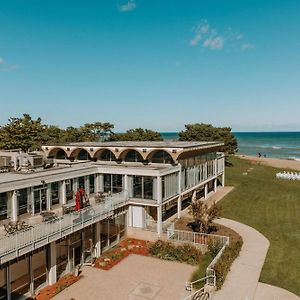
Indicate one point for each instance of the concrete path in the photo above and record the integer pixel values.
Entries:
(135, 278)
(242, 280)
(270, 292)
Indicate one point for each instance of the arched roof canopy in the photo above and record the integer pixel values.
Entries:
(104, 154)
(160, 156)
(58, 153)
(80, 154)
(131, 155)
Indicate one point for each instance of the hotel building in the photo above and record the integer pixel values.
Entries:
(138, 185)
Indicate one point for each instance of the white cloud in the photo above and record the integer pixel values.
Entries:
(207, 36)
(129, 6)
(1, 61)
(214, 43)
(247, 46)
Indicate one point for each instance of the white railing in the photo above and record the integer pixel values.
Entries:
(198, 295)
(197, 239)
(41, 234)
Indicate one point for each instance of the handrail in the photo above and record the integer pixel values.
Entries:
(189, 285)
(199, 294)
(39, 235)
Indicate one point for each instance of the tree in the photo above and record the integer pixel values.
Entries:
(97, 131)
(203, 215)
(137, 134)
(22, 133)
(207, 132)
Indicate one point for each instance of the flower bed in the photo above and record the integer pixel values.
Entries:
(124, 248)
(51, 290)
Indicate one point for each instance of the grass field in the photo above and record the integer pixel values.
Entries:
(272, 207)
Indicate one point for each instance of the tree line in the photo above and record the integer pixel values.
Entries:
(28, 134)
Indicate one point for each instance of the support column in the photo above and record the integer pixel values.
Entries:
(14, 206)
(48, 196)
(159, 220)
(75, 185)
(87, 184)
(97, 188)
(29, 199)
(8, 283)
(101, 182)
(62, 192)
(51, 263)
(31, 277)
(70, 261)
(125, 183)
(223, 171)
(179, 195)
(97, 239)
(205, 190)
(159, 208)
(215, 184)
(129, 215)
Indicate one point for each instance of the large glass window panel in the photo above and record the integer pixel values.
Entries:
(148, 187)
(22, 201)
(3, 206)
(137, 187)
(92, 184)
(54, 193)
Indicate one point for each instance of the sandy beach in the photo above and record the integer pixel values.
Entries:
(274, 162)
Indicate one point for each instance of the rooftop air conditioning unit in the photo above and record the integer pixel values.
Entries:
(5, 161)
(36, 161)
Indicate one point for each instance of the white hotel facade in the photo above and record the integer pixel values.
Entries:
(142, 185)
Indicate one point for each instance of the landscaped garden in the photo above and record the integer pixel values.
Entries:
(50, 291)
(271, 206)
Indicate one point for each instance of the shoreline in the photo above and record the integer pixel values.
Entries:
(273, 162)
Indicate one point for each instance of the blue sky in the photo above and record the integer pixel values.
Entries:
(151, 63)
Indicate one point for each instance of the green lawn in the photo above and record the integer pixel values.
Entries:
(272, 207)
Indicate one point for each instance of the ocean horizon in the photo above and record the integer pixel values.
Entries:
(270, 144)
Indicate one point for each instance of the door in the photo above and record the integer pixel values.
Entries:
(138, 216)
(77, 256)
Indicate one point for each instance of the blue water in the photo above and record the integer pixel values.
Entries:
(271, 144)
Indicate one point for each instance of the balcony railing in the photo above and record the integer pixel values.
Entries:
(23, 242)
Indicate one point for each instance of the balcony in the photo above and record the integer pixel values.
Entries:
(22, 242)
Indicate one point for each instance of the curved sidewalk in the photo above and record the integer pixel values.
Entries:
(241, 282)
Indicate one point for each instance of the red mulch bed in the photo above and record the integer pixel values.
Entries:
(124, 248)
(51, 290)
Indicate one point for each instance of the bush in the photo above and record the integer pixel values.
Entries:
(183, 253)
(223, 265)
(214, 247)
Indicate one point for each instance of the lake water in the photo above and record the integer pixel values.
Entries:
(271, 144)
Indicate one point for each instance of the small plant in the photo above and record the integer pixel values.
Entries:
(214, 247)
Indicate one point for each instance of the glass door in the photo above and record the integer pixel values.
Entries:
(40, 202)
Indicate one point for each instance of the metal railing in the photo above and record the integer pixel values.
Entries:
(198, 295)
(197, 239)
(39, 235)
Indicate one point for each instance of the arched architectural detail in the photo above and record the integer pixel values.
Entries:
(132, 155)
(58, 153)
(160, 156)
(80, 154)
(104, 154)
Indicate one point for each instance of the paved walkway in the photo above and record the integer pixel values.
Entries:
(241, 282)
(135, 278)
(270, 292)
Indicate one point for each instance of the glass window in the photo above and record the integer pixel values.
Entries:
(54, 193)
(113, 183)
(22, 201)
(143, 187)
(3, 206)
(92, 184)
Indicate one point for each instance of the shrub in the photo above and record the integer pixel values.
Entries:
(214, 247)
(182, 253)
(223, 265)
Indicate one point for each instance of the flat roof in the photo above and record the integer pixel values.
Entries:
(144, 144)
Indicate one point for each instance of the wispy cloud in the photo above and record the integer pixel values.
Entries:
(247, 46)
(4, 66)
(129, 6)
(208, 37)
